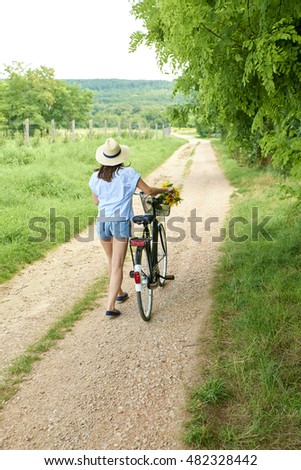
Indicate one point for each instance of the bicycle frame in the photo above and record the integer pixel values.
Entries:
(148, 273)
(154, 245)
(151, 246)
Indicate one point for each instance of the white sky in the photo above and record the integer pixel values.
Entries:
(79, 39)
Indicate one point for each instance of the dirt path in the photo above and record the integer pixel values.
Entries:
(116, 383)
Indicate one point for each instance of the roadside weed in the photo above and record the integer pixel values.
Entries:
(256, 323)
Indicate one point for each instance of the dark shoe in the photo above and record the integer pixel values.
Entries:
(113, 313)
(122, 298)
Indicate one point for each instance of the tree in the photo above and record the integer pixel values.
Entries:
(240, 60)
(3, 105)
(70, 102)
(37, 95)
(17, 105)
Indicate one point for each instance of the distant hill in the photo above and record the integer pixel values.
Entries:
(117, 100)
(126, 91)
(107, 83)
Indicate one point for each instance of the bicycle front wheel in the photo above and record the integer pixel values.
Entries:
(145, 294)
(162, 255)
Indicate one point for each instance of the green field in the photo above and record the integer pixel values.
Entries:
(41, 183)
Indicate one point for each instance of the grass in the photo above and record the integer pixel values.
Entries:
(251, 394)
(43, 183)
(23, 364)
(190, 131)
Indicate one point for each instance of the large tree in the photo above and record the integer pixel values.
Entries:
(240, 64)
(37, 95)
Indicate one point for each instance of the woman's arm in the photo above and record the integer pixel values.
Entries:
(95, 199)
(150, 190)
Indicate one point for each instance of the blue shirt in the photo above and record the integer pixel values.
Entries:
(115, 198)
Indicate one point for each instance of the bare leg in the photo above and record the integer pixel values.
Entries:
(116, 251)
(108, 247)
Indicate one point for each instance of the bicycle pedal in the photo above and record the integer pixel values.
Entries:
(169, 277)
(132, 274)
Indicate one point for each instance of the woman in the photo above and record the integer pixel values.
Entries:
(112, 187)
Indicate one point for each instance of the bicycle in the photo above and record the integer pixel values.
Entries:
(149, 254)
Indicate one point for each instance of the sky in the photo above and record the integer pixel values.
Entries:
(78, 39)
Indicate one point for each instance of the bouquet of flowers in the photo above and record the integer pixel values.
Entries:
(163, 202)
(169, 199)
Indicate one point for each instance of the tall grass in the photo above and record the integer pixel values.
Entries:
(39, 178)
(256, 321)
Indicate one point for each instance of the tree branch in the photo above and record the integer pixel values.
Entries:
(210, 31)
(249, 21)
(216, 35)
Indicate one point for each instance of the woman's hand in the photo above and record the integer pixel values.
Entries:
(169, 190)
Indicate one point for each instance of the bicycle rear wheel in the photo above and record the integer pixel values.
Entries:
(145, 294)
(162, 255)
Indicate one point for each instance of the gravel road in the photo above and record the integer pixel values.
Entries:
(117, 383)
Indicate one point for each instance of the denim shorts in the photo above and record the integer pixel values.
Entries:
(116, 229)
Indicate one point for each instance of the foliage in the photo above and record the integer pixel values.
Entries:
(129, 101)
(38, 96)
(3, 105)
(112, 87)
(240, 60)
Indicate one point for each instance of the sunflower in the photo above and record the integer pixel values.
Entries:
(170, 199)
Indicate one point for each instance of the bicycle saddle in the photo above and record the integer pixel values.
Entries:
(146, 218)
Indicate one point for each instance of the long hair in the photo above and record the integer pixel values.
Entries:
(107, 173)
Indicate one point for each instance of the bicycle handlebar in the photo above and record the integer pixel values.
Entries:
(141, 193)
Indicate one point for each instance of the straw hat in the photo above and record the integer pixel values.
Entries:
(111, 153)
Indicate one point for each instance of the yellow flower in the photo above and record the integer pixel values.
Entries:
(170, 199)
(166, 184)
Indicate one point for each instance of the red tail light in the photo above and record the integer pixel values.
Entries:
(137, 277)
(137, 241)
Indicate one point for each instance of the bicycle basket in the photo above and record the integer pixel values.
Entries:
(161, 210)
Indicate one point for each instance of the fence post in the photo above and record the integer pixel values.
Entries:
(148, 131)
(156, 131)
(130, 129)
(52, 131)
(105, 129)
(27, 131)
(73, 130)
(163, 131)
(90, 128)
